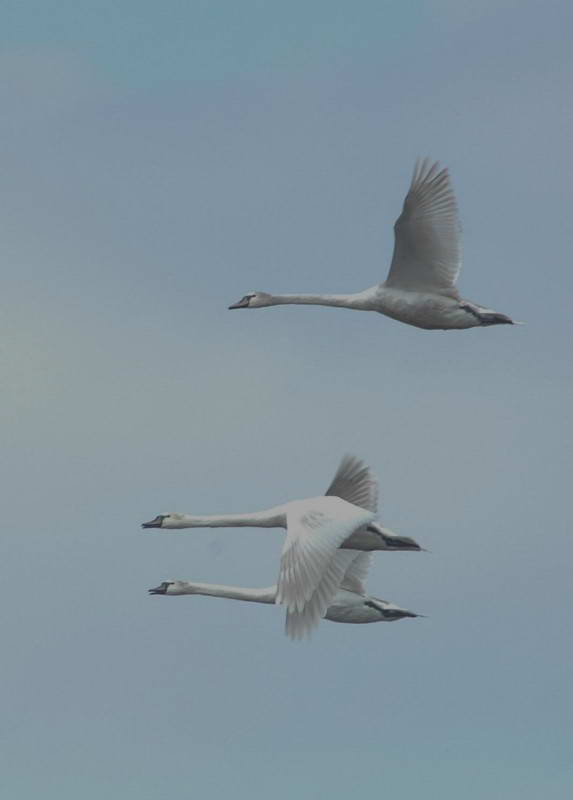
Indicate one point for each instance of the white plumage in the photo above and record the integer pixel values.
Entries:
(420, 288)
(350, 604)
(324, 538)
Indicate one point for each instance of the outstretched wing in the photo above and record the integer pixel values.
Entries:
(312, 568)
(299, 624)
(427, 249)
(355, 567)
(355, 483)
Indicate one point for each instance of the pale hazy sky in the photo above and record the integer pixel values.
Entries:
(158, 161)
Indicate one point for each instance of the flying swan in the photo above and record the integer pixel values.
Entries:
(420, 289)
(323, 537)
(351, 604)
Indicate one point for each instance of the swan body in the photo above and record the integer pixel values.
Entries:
(420, 288)
(358, 609)
(324, 538)
(347, 606)
(369, 536)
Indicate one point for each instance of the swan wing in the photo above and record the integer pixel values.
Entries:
(311, 567)
(355, 482)
(427, 248)
(299, 624)
(356, 573)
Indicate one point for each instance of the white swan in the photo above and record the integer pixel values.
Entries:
(323, 537)
(350, 604)
(421, 286)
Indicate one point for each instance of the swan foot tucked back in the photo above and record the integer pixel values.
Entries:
(420, 288)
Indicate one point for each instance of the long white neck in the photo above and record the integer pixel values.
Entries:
(269, 518)
(266, 595)
(358, 300)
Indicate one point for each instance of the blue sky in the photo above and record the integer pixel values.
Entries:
(158, 162)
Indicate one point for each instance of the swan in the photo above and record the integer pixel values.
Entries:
(420, 288)
(323, 537)
(350, 604)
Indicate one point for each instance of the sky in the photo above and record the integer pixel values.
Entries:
(158, 162)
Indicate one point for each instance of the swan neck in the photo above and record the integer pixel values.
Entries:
(270, 518)
(338, 300)
(266, 595)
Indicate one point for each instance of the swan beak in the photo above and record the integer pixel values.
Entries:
(243, 303)
(155, 523)
(161, 589)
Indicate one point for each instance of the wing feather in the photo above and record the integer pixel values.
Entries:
(427, 249)
(355, 482)
(300, 623)
(312, 568)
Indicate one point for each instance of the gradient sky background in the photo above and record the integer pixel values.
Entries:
(158, 161)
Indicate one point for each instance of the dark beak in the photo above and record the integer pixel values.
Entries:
(243, 303)
(155, 523)
(161, 589)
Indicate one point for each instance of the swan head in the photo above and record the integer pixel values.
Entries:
(168, 587)
(254, 300)
(168, 521)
